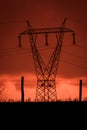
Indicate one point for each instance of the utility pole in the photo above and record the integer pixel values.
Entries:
(80, 90)
(22, 89)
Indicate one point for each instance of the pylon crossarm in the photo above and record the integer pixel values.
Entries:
(45, 30)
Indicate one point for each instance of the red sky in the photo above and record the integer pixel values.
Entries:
(42, 13)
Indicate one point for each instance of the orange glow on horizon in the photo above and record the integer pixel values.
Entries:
(66, 88)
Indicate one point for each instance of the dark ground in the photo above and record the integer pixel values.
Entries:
(41, 107)
(42, 114)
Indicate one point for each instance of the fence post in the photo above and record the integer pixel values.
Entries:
(80, 90)
(22, 89)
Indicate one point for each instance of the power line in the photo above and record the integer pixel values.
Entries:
(69, 45)
(74, 64)
(16, 48)
(15, 51)
(75, 55)
(81, 47)
(9, 49)
(83, 58)
(51, 47)
(12, 22)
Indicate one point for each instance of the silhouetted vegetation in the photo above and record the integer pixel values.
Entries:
(29, 100)
(12, 100)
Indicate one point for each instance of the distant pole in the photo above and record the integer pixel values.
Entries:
(22, 89)
(80, 90)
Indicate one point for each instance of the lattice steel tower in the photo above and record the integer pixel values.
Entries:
(46, 74)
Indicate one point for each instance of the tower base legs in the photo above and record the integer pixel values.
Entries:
(46, 91)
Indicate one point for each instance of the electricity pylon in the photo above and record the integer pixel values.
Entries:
(46, 75)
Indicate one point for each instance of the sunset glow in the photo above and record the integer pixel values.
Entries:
(16, 62)
(67, 89)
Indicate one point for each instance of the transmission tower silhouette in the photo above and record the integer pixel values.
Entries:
(46, 74)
